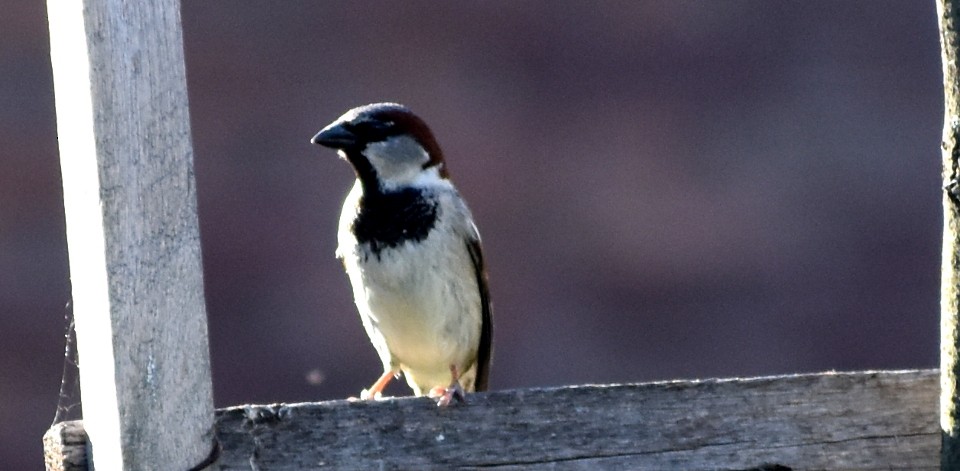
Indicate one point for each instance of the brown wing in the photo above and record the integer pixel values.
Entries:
(485, 349)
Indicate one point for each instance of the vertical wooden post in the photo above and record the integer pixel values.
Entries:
(133, 238)
(950, 268)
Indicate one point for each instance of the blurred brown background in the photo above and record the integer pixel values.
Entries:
(665, 189)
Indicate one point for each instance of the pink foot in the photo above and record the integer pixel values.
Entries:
(374, 393)
(448, 394)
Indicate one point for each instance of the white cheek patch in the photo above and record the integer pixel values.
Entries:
(397, 160)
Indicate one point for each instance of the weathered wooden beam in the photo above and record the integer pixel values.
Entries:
(949, 21)
(851, 421)
(134, 247)
(65, 447)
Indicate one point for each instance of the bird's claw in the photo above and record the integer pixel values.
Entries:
(445, 396)
(449, 395)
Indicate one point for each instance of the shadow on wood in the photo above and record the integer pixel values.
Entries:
(868, 420)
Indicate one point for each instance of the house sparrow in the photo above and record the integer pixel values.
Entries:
(412, 253)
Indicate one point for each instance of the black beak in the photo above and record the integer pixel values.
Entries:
(335, 136)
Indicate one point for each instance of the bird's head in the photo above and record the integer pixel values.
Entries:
(387, 145)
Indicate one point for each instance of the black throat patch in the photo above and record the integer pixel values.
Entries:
(388, 219)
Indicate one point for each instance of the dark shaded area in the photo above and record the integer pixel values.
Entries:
(665, 189)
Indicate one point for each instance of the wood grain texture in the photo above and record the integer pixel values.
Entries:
(65, 447)
(850, 421)
(949, 21)
(134, 246)
(878, 420)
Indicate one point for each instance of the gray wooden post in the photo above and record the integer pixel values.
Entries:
(127, 161)
(950, 269)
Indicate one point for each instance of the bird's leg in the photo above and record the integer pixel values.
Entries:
(374, 391)
(448, 394)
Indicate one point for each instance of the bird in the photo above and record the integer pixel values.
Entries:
(412, 253)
